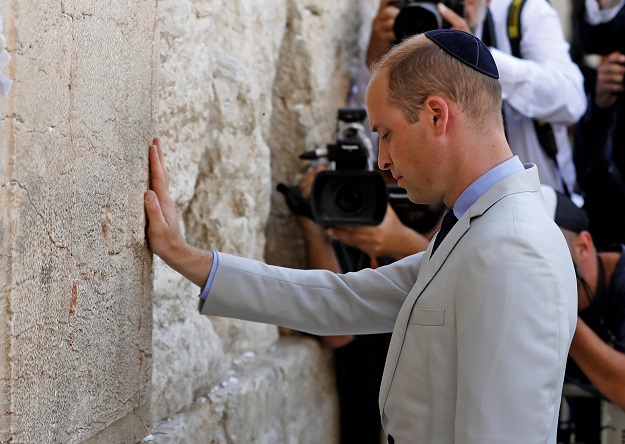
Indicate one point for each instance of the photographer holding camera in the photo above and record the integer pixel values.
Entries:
(542, 88)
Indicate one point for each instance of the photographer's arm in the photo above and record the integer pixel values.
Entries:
(319, 252)
(390, 238)
(603, 365)
(320, 256)
(163, 231)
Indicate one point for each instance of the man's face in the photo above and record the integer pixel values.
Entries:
(405, 149)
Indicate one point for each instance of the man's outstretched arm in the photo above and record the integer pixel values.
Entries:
(163, 231)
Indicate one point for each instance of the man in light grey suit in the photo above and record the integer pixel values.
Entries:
(482, 320)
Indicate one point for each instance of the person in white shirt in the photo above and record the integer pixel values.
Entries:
(543, 85)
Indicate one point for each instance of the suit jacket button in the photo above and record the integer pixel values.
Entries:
(390, 439)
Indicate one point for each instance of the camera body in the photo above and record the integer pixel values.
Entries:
(416, 17)
(350, 192)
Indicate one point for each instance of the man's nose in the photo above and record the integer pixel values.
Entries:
(384, 162)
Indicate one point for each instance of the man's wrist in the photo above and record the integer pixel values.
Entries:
(193, 263)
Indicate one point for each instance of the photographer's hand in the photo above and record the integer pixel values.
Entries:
(163, 230)
(456, 22)
(382, 35)
(610, 75)
(390, 238)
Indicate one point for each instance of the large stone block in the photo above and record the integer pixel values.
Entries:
(215, 103)
(76, 282)
(319, 58)
(244, 87)
(286, 396)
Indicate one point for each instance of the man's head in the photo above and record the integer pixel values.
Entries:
(427, 96)
(423, 65)
(573, 222)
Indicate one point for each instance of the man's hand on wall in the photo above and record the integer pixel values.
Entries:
(163, 230)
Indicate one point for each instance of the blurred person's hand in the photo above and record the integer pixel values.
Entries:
(382, 35)
(610, 75)
(309, 227)
(306, 182)
(607, 4)
(456, 21)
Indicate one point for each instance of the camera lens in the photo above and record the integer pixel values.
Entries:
(415, 18)
(350, 198)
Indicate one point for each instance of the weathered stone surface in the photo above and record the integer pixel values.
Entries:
(284, 396)
(241, 88)
(76, 281)
(319, 56)
(244, 87)
(215, 102)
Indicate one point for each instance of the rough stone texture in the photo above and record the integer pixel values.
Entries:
(283, 396)
(321, 51)
(214, 100)
(75, 286)
(238, 88)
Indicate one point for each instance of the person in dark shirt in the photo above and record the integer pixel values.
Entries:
(600, 135)
(597, 353)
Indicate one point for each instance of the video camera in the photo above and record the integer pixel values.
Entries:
(416, 17)
(350, 192)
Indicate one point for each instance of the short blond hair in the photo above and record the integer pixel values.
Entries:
(417, 68)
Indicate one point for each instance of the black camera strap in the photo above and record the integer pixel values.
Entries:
(544, 130)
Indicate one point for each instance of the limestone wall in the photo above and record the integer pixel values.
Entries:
(76, 282)
(95, 346)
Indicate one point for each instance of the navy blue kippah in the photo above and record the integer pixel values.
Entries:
(467, 48)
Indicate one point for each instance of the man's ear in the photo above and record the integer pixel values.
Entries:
(584, 246)
(436, 110)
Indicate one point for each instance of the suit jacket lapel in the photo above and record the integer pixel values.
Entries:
(429, 269)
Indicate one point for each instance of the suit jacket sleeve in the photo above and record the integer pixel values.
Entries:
(315, 301)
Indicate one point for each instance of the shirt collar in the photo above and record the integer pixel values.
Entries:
(484, 183)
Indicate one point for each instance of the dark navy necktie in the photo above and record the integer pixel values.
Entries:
(446, 225)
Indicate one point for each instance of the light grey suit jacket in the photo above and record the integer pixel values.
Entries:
(481, 329)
